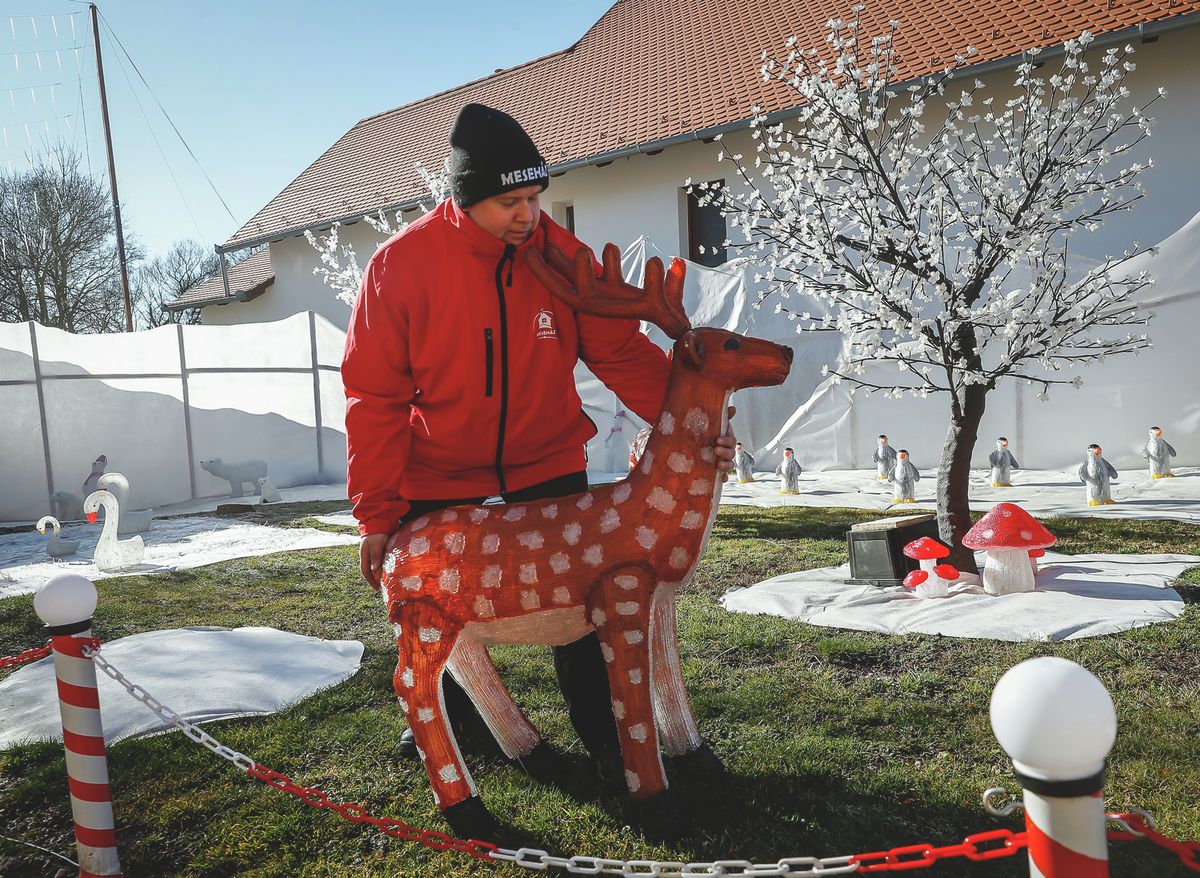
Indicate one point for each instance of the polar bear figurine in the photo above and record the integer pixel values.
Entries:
(270, 494)
(237, 474)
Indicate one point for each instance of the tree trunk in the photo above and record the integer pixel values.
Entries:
(953, 486)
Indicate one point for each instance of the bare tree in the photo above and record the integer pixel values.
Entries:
(942, 253)
(165, 278)
(58, 259)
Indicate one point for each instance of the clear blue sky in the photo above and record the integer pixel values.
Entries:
(258, 88)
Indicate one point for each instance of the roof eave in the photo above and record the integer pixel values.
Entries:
(241, 296)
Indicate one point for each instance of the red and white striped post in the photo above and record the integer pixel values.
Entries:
(1057, 723)
(66, 604)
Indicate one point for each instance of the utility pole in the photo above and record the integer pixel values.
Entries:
(112, 175)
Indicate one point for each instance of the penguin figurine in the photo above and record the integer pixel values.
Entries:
(743, 464)
(1003, 463)
(884, 457)
(789, 473)
(1158, 452)
(904, 476)
(1097, 473)
(92, 482)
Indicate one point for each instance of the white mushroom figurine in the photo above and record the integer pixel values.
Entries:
(932, 580)
(1007, 534)
(57, 547)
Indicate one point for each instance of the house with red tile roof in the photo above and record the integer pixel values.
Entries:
(628, 114)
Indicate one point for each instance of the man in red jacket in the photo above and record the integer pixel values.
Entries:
(459, 375)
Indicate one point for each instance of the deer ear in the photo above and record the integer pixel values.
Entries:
(690, 350)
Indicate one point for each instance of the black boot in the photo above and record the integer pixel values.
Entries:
(406, 748)
(471, 820)
(545, 765)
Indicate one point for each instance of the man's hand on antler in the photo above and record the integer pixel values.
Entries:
(724, 448)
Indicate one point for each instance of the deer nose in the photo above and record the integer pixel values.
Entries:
(788, 353)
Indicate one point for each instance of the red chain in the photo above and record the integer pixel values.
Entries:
(439, 841)
(1187, 851)
(922, 856)
(29, 655)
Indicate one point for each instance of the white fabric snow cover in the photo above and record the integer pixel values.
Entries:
(1076, 596)
(1118, 403)
(203, 673)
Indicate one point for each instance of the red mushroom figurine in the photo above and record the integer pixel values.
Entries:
(934, 584)
(1007, 534)
(1034, 554)
(915, 578)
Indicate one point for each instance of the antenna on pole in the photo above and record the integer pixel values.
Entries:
(112, 175)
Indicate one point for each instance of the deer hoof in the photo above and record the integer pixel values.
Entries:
(470, 819)
(544, 764)
(701, 762)
(659, 817)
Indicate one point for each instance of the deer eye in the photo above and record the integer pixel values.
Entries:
(732, 344)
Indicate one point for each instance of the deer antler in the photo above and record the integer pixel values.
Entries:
(658, 302)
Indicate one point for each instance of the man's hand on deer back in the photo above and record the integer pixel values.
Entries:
(724, 448)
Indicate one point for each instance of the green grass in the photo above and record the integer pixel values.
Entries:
(836, 741)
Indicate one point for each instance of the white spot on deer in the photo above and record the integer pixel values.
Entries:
(490, 544)
(666, 423)
(421, 754)
(638, 733)
(449, 774)
(691, 520)
(530, 600)
(695, 421)
(572, 532)
(621, 493)
(627, 608)
(515, 514)
(609, 521)
(607, 652)
(425, 714)
(559, 562)
(634, 637)
(389, 564)
(680, 463)
(418, 546)
(403, 704)
(635, 676)
(599, 618)
(593, 555)
(627, 582)
(397, 630)
(412, 583)
(531, 539)
(407, 678)
(455, 543)
(430, 635)
(586, 501)
(647, 461)
(646, 538)
(680, 558)
(417, 523)
(618, 709)
(449, 579)
(478, 514)
(632, 781)
(449, 515)
(700, 488)
(550, 512)
(661, 499)
(707, 455)
(529, 574)
(491, 576)
(484, 608)
(561, 595)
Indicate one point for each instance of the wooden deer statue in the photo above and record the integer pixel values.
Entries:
(550, 571)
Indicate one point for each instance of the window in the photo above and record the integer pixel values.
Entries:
(706, 228)
(563, 213)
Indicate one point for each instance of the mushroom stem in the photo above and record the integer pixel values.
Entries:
(1007, 571)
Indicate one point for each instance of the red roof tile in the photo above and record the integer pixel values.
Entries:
(652, 69)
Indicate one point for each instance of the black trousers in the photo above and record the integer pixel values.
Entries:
(582, 677)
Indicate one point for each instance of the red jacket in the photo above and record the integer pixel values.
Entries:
(459, 370)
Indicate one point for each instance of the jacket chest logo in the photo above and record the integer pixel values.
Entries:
(543, 325)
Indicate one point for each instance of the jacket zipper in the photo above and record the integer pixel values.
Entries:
(487, 358)
(509, 250)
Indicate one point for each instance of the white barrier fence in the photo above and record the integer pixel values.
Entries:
(159, 402)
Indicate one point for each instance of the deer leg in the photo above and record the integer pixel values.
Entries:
(672, 709)
(620, 611)
(472, 667)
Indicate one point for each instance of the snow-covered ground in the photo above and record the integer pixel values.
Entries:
(1076, 596)
(203, 674)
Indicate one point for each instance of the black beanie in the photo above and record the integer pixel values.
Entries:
(491, 154)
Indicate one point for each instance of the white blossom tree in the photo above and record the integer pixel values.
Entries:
(339, 267)
(941, 250)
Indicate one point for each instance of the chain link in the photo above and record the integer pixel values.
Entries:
(978, 847)
(29, 655)
(538, 860)
(1140, 825)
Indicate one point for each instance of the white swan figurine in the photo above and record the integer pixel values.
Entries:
(112, 553)
(57, 547)
(129, 521)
